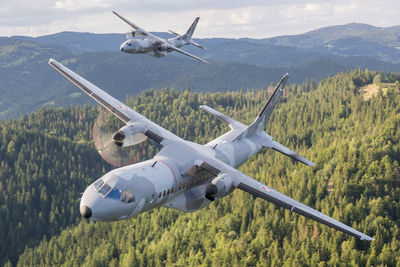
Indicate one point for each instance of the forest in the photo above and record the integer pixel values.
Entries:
(48, 158)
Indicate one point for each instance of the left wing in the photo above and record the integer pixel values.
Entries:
(185, 53)
(249, 185)
(120, 110)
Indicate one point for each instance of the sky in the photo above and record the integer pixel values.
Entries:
(223, 18)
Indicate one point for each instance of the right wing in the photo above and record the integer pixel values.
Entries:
(136, 27)
(257, 189)
(120, 110)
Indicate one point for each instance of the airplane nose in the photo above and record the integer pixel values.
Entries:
(86, 212)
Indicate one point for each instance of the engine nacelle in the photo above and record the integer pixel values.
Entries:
(219, 187)
(130, 135)
(163, 47)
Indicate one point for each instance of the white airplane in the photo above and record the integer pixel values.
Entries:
(143, 42)
(184, 175)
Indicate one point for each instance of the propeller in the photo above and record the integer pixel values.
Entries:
(104, 130)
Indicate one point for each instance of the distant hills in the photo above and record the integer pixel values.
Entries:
(27, 82)
(354, 39)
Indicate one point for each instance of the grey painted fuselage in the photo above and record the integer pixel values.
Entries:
(151, 47)
(166, 179)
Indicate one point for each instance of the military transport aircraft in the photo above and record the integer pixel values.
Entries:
(142, 42)
(184, 175)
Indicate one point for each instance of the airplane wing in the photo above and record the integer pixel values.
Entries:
(185, 53)
(120, 110)
(257, 189)
(141, 30)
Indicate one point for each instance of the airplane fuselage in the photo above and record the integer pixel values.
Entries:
(150, 46)
(169, 179)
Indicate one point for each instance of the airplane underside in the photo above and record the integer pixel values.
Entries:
(157, 53)
(190, 201)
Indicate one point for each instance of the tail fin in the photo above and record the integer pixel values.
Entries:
(263, 117)
(265, 113)
(190, 31)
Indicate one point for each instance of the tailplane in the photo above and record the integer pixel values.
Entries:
(188, 35)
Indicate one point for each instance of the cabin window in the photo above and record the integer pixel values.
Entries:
(180, 186)
(159, 195)
(168, 192)
(104, 189)
(164, 194)
(98, 184)
(127, 196)
(172, 190)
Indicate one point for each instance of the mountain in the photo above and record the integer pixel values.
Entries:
(352, 39)
(28, 83)
(47, 158)
(332, 43)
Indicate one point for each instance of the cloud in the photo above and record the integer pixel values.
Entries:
(235, 18)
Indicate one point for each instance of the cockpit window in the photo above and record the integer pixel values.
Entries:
(129, 44)
(104, 189)
(127, 196)
(98, 183)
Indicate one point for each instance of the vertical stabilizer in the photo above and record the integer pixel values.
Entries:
(189, 33)
(263, 117)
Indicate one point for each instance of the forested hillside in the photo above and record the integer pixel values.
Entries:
(27, 82)
(354, 143)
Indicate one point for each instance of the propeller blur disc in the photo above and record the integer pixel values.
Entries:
(104, 128)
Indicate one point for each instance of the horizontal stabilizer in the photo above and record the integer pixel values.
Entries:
(222, 117)
(174, 33)
(286, 151)
(197, 45)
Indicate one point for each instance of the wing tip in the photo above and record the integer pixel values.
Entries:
(367, 238)
(286, 76)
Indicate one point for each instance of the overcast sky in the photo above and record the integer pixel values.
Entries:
(219, 18)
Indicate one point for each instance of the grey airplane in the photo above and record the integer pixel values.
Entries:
(143, 42)
(184, 175)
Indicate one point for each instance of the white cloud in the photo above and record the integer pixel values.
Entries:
(235, 18)
(79, 5)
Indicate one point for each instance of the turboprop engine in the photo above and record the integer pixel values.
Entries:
(130, 135)
(219, 187)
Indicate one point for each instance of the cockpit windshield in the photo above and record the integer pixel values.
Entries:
(104, 189)
(98, 184)
(125, 196)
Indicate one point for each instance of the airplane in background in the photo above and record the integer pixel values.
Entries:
(184, 175)
(143, 42)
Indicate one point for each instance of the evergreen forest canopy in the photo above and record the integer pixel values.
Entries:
(48, 158)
